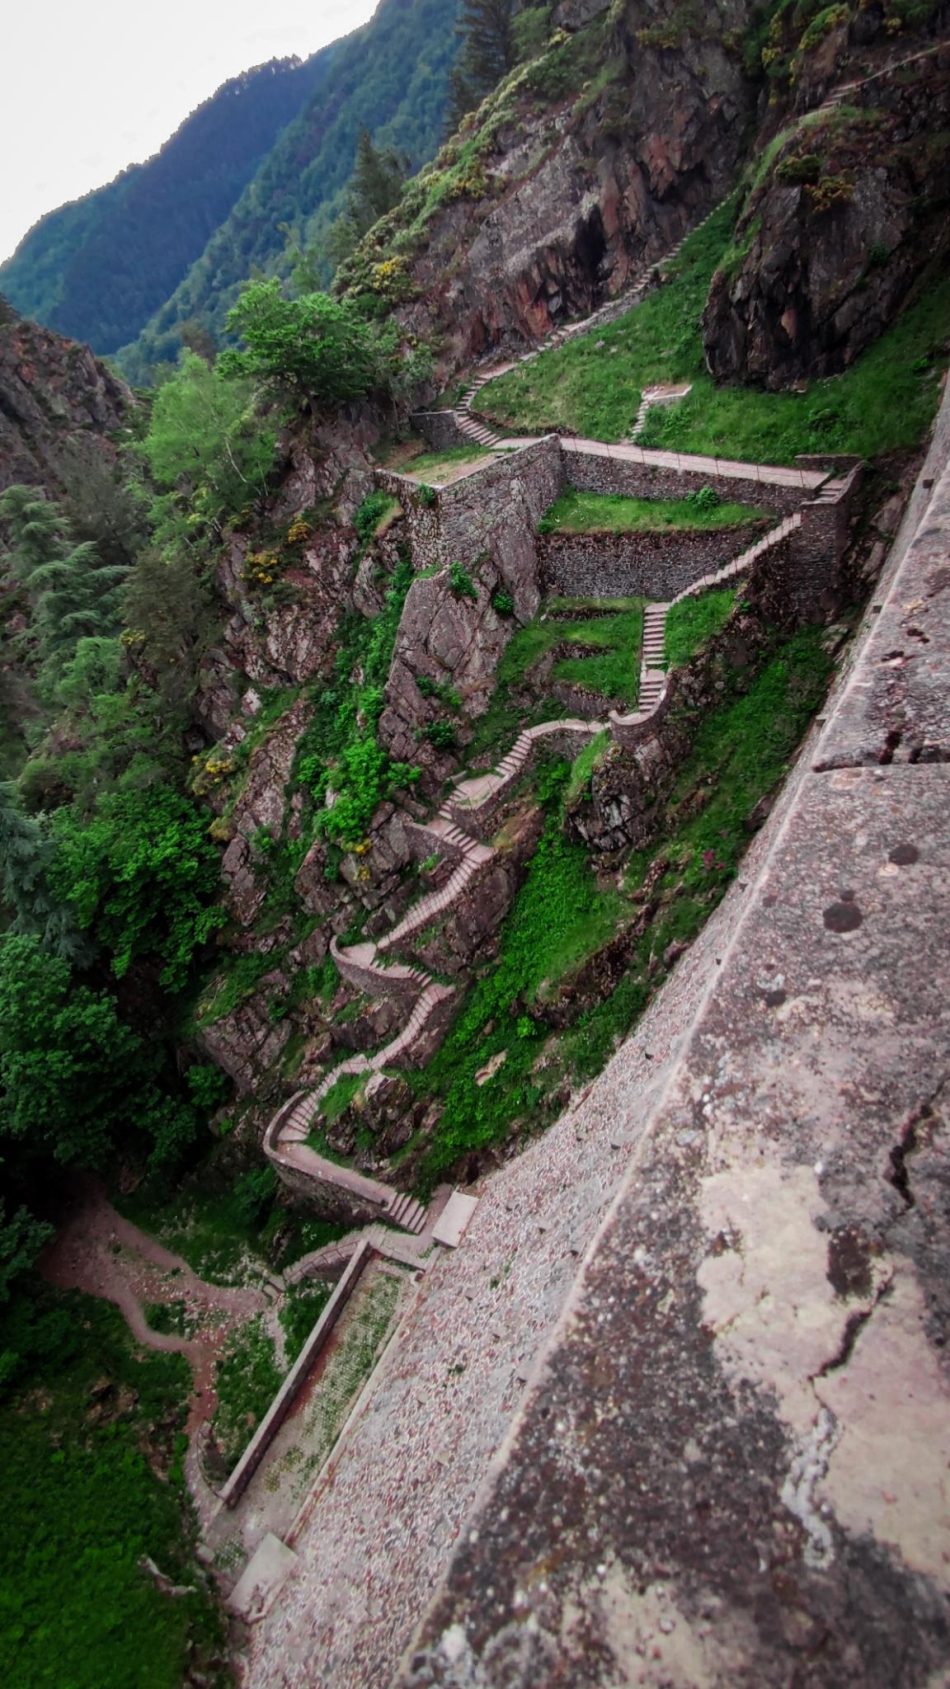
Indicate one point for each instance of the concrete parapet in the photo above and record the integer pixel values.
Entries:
(296, 1378)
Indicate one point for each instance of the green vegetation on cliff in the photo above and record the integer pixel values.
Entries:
(564, 912)
(91, 1445)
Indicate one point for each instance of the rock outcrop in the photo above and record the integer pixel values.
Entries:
(54, 394)
(592, 161)
(848, 215)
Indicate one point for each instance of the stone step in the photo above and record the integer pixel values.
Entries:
(406, 1212)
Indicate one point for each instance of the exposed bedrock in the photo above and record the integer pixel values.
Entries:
(829, 244)
(582, 194)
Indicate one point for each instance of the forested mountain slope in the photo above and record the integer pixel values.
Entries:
(392, 78)
(96, 269)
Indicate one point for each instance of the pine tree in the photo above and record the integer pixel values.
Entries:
(26, 854)
(488, 53)
(374, 188)
(72, 593)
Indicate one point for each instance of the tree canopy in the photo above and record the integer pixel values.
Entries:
(313, 347)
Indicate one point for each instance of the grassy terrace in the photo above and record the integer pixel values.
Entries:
(612, 633)
(885, 401)
(608, 513)
(694, 620)
(437, 469)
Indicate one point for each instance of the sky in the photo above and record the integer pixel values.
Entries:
(89, 86)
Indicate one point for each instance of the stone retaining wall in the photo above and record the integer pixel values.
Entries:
(367, 979)
(818, 548)
(296, 1378)
(591, 473)
(649, 565)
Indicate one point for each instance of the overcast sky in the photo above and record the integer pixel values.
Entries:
(89, 86)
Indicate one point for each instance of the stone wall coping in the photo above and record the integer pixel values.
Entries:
(234, 1487)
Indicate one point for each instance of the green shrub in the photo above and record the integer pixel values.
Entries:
(461, 583)
(441, 734)
(502, 602)
(374, 508)
(800, 167)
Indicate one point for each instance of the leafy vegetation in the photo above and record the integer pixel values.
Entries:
(84, 1504)
(611, 634)
(312, 347)
(740, 751)
(694, 620)
(247, 1378)
(340, 753)
(884, 401)
(599, 513)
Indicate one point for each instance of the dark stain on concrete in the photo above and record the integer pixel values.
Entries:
(843, 916)
(849, 1262)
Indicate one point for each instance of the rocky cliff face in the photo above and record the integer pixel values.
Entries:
(848, 213)
(53, 393)
(588, 164)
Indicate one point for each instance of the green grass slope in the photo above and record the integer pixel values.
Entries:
(592, 384)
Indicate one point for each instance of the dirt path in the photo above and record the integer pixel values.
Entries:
(97, 1250)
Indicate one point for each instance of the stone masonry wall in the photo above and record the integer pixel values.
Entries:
(818, 548)
(652, 565)
(591, 473)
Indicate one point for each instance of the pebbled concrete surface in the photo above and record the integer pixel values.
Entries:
(735, 1468)
(676, 1412)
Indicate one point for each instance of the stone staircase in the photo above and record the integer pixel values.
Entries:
(653, 665)
(653, 396)
(653, 658)
(481, 432)
(469, 810)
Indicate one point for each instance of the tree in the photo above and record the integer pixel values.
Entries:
(68, 1065)
(374, 188)
(313, 347)
(72, 593)
(489, 52)
(141, 877)
(75, 1080)
(205, 442)
(169, 613)
(26, 857)
(104, 503)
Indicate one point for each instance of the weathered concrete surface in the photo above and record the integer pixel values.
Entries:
(735, 1467)
(728, 1468)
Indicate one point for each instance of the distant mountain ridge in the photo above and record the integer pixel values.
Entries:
(264, 160)
(97, 268)
(390, 77)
